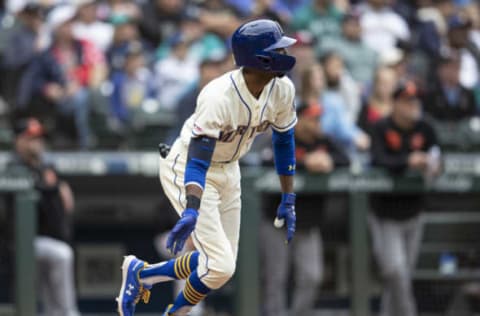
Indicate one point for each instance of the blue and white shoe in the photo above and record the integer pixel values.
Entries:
(184, 311)
(169, 307)
(132, 290)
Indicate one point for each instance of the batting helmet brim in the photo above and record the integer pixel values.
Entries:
(284, 42)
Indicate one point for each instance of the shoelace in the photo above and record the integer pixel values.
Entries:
(143, 292)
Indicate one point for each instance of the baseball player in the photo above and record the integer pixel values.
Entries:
(201, 174)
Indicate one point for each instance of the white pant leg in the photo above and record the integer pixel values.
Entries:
(217, 260)
(56, 257)
(230, 206)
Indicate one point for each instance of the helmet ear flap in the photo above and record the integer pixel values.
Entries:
(265, 60)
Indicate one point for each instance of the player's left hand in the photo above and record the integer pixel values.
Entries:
(182, 230)
(286, 213)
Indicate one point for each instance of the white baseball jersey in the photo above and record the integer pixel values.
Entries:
(226, 110)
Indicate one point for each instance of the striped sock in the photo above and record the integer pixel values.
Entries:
(194, 292)
(174, 269)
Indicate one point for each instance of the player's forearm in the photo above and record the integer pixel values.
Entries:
(286, 183)
(200, 154)
(284, 156)
(194, 190)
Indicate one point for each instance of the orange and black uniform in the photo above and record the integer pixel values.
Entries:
(53, 220)
(391, 147)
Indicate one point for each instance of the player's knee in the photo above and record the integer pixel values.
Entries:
(394, 271)
(64, 253)
(313, 277)
(224, 270)
(227, 268)
(311, 280)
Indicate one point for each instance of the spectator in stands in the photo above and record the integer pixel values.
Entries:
(160, 20)
(334, 120)
(360, 60)
(340, 88)
(320, 17)
(132, 86)
(304, 52)
(54, 255)
(315, 153)
(126, 32)
(217, 17)
(402, 141)
(282, 8)
(469, 53)
(341, 101)
(177, 73)
(380, 102)
(88, 27)
(201, 44)
(23, 43)
(64, 73)
(121, 10)
(447, 99)
(432, 26)
(381, 26)
(209, 70)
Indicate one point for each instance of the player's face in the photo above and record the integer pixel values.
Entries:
(449, 73)
(308, 126)
(317, 79)
(385, 82)
(30, 146)
(408, 109)
(352, 29)
(36, 146)
(64, 31)
(282, 51)
(334, 68)
(312, 125)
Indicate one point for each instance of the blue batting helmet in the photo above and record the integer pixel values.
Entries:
(254, 44)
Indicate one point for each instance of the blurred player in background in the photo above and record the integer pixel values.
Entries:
(315, 153)
(402, 141)
(54, 255)
(231, 110)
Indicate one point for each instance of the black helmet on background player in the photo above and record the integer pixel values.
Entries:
(254, 44)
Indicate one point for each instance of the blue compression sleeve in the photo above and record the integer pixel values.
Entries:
(200, 154)
(284, 152)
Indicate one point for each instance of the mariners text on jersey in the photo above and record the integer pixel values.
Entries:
(227, 111)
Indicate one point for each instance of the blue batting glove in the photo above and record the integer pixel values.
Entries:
(286, 213)
(182, 230)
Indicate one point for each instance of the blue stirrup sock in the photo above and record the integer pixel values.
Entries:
(194, 292)
(175, 269)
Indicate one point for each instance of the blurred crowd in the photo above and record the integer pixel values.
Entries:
(98, 73)
(395, 79)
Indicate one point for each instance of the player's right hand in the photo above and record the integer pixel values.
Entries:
(182, 230)
(286, 213)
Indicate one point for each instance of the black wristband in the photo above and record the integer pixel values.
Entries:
(193, 202)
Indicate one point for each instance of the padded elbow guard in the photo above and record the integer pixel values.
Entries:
(284, 152)
(200, 152)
